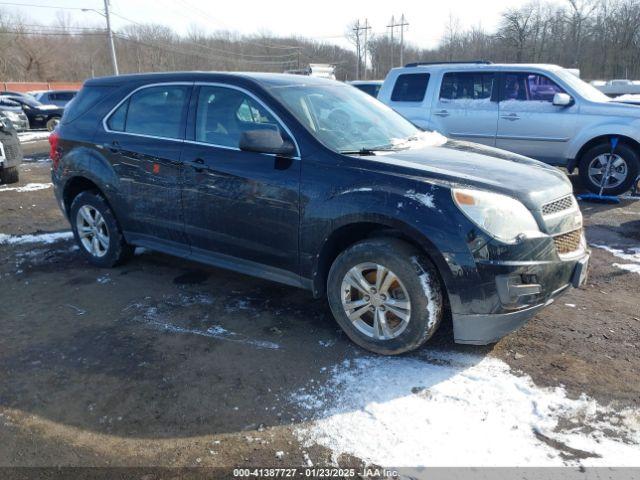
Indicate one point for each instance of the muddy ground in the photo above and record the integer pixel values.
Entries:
(166, 362)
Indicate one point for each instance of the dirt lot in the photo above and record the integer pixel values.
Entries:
(166, 362)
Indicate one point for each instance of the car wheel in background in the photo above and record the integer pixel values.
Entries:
(386, 295)
(52, 123)
(9, 175)
(97, 232)
(625, 167)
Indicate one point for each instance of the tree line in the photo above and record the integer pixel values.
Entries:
(600, 37)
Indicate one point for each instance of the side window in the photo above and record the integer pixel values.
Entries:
(410, 87)
(224, 113)
(531, 87)
(467, 86)
(155, 111)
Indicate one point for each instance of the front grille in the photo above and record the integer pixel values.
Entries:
(568, 242)
(11, 151)
(564, 203)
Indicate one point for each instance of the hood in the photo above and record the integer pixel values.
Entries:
(468, 164)
(612, 108)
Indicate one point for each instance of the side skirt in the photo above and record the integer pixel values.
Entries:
(220, 260)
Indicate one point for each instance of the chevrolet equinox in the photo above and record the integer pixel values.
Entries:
(315, 184)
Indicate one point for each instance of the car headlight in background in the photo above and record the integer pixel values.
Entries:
(501, 216)
(13, 116)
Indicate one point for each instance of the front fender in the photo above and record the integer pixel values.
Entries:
(605, 128)
(427, 216)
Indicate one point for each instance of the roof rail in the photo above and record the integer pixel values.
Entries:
(479, 62)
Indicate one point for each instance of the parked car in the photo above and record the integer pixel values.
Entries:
(12, 92)
(12, 113)
(372, 87)
(39, 115)
(10, 154)
(541, 111)
(315, 184)
(55, 97)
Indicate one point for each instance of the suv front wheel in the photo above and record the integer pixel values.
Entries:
(625, 167)
(385, 295)
(97, 232)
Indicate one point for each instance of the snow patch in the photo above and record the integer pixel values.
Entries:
(633, 256)
(38, 238)
(29, 187)
(448, 408)
(155, 317)
(33, 136)
(424, 198)
(420, 140)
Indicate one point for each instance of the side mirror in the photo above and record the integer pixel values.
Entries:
(266, 141)
(562, 100)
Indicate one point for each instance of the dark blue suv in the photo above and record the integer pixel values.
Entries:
(314, 184)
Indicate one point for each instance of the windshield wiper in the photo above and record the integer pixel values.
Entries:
(368, 151)
(362, 151)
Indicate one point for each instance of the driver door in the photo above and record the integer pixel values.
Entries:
(237, 203)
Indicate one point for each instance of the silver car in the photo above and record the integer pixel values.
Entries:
(542, 111)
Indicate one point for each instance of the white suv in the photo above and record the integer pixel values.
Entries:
(541, 111)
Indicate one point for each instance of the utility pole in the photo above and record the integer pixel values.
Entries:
(402, 25)
(356, 29)
(114, 61)
(361, 49)
(392, 25)
(366, 31)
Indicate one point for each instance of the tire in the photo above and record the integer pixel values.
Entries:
(416, 276)
(9, 175)
(116, 250)
(628, 172)
(52, 123)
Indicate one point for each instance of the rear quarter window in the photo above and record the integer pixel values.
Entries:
(410, 87)
(86, 98)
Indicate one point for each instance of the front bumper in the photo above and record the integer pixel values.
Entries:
(518, 300)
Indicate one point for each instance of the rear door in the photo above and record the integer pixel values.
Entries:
(238, 203)
(408, 98)
(466, 107)
(529, 123)
(143, 140)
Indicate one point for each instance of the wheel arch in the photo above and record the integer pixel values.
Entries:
(601, 139)
(351, 232)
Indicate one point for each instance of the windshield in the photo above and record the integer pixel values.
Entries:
(32, 102)
(345, 119)
(585, 90)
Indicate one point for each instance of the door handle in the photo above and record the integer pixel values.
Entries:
(114, 147)
(441, 113)
(511, 116)
(198, 165)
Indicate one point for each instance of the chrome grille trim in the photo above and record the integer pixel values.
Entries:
(562, 204)
(567, 243)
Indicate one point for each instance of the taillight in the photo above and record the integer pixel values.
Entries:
(54, 154)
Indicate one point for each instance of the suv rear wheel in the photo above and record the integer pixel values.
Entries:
(9, 175)
(52, 123)
(385, 295)
(625, 167)
(97, 232)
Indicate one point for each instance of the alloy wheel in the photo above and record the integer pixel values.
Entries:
(617, 174)
(376, 301)
(93, 231)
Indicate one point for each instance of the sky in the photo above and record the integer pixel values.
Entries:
(325, 20)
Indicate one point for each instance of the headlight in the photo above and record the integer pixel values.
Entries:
(501, 216)
(13, 116)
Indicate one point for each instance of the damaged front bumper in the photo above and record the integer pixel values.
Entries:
(518, 290)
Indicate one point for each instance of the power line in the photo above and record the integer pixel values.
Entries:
(11, 4)
(171, 48)
(213, 49)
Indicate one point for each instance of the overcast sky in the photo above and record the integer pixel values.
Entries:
(323, 20)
